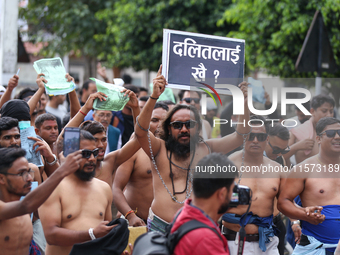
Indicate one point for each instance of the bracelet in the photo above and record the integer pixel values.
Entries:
(154, 98)
(146, 130)
(53, 162)
(128, 213)
(91, 234)
(82, 113)
(295, 222)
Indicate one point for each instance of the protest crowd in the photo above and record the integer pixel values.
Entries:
(136, 168)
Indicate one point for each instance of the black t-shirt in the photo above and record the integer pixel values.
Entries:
(128, 128)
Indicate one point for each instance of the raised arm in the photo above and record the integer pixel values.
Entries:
(32, 103)
(12, 83)
(35, 198)
(74, 102)
(234, 140)
(79, 117)
(142, 126)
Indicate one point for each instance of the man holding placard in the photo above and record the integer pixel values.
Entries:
(177, 151)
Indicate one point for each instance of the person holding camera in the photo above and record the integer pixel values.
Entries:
(256, 173)
(211, 196)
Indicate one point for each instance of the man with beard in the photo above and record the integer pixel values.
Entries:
(107, 165)
(260, 237)
(177, 151)
(70, 219)
(134, 178)
(15, 181)
(316, 181)
(46, 127)
(211, 196)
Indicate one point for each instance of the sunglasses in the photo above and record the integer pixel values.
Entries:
(179, 124)
(261, 137)
(277, 150)
(87, 153)
(330, 133)
(189, 99)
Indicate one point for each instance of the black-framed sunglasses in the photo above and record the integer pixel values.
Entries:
(87, 153)
(261, 137)
(23, 174)
(189, 99)
(277, 150)
(179, 124)
(330, 133)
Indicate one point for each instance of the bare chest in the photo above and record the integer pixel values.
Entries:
(82, 204)
(16, 235)
(321, 191)
(142, 168)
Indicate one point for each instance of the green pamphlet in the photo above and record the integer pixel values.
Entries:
(115, 100)
(54, 72)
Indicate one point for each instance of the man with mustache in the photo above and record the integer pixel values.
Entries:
(15, 181)
(316, 181)
(70, 219)
(46, 127)
(107, 165)
(132, 185)
(260, 238)
(177, 151)
(112, 133)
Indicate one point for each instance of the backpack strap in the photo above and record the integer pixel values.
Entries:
(175, 237)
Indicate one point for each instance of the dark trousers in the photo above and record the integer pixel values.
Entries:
(281, 226)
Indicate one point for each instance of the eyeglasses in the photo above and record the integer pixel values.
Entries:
(330, 133)
(277, 150)
(261, 137)
(109, 115)
(87, 153)
(189, 99)
(23, 174)
(179, 124)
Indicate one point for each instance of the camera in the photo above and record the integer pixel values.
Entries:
(241, 196)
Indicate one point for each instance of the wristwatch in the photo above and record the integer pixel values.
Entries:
(53, 162)
(295, 222)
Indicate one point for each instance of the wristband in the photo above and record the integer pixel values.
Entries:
(82, 113)
(154, 98)
(128, 213)
(53, 162)
(295, 222)
(91, 234)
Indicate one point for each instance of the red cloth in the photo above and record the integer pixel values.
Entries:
(202, 241)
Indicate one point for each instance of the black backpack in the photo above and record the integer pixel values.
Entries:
(156, 243)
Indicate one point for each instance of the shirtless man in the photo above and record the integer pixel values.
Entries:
(107, 165)
(265, 188)
(177, 151)
(15, 181)
(135, 175)
(79, 204)
(317, 182)
(302, 138)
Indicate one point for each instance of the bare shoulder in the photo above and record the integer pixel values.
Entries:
(236, 156)
(102, 185)
(110, 158)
